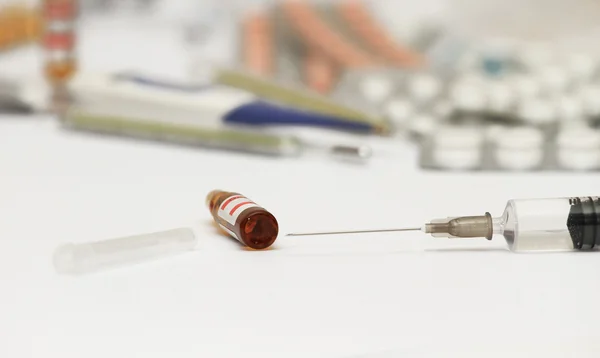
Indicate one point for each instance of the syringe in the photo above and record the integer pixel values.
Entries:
(554, 224)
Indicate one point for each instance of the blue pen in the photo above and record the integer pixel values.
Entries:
(214, 104)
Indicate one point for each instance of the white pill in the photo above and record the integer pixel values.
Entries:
(457, 158)
(424, 87)
(578, 149)
(423, 124)
(525, 86)
(537, 111)
(581, 138)
(458, 147)
(553, 79)
(590, 96)
(399, 110)
(569, 107)
(521, 138)
(494, 132)
(501, 97)
(376, 88)
(521, 159)
(468, 96)
(574, 123)
(581, 67)
(519, 148)
(458, 137)
(442, 108)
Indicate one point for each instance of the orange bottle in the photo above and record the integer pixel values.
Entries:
(243, 219)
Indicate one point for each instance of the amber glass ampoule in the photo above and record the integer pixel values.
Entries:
(243, 219)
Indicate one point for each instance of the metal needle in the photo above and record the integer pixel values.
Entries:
(352, 232)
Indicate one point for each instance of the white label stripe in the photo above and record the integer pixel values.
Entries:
(235, 208)
(232, 204)
(229, 232)
(232, 218)
(229, 200)
(232, 209)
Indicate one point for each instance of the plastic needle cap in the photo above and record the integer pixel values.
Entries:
(81, 258)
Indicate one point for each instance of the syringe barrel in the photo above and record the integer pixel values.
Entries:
(80, 258)
(560, 224)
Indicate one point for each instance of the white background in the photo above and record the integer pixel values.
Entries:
(308, 297)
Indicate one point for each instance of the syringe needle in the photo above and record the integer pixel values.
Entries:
(352, 232)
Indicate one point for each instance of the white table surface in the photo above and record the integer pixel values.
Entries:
(308, 297)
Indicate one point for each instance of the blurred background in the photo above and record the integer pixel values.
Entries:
(520, 83)
(117, 117)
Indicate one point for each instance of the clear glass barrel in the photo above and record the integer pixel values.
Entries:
(561, 224)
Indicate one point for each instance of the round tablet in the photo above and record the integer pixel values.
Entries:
(581, 67)
(525, 85)
(468, 96)
(578, 149)
(519, 159)
(574, 123)
(577, 159)
(519, 148)
(442, 108)
(580, 138)
(569, 107)
(494, 132)
(457, 158)
(399, 110)
(376, 88)
(501, 97)
(422, 124)
(458, 137)
(537, 111)
(520, 138)
(457, 147)
(553, 78)
(424, 87)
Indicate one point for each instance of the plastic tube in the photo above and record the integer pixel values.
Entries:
(81, 258)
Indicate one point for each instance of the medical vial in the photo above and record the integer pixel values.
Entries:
(560, 224)
(59, 40)
(243, 219)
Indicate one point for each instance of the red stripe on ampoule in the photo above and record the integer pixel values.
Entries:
(230, 200)
(238, 205)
